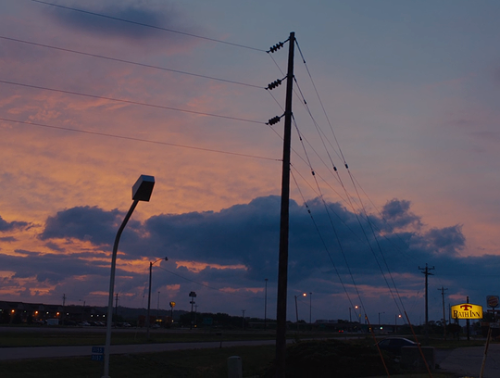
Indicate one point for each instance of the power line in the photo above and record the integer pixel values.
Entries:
(127, 61)
(128, 101)
(136, 139)
(148, 26)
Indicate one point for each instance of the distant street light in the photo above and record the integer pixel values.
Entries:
(396, 322)
(149, 294)
(141, 191)
(192, 295)
(172, 305)
(310, 307)
(265, 306)
(379, 317)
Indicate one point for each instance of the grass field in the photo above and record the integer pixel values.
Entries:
(206, 363)
(188, 363)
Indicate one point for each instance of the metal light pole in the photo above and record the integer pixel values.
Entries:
(310, 309)
(148, 320)
(172, 305)
(265, 306)
(359, 316)
(379, 318)
(192, 295)
(141, 191)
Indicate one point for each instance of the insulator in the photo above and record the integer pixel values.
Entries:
(314, 174)
(335, 168)
(276, 47)
(274, 84)
(347, 167)
(273, 120)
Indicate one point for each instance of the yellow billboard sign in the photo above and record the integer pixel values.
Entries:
(466, 311)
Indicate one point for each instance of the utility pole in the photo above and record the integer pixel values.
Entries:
(468, 324)
(116, 304)
(427, 274)
(444, 313)
(284, 217)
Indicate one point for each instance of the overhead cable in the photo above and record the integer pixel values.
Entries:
(136, 139)
(147, 25)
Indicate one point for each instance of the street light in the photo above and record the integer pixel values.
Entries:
(192, 295)
(149, 294)
(379, 317)
(265, 306)
(310, 307)
(396, 322)
(141, 191)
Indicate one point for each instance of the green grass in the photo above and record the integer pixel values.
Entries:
(206, 363)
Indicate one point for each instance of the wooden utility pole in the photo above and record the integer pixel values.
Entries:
(444, 313)
(284, 221)
(427, 274)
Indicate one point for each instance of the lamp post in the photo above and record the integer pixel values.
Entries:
(396, 322)
(141, 191)
(310, 306)
(192, 295)
(172, 305)
(359, 315)
(265, 306)
(149, 294)
(310, 309)
(379, 318)
(296, 313)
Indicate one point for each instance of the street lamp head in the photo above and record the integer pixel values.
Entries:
(304, 295)
(142, 189)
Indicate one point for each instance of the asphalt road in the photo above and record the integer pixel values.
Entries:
(466, 362)
(23, 353)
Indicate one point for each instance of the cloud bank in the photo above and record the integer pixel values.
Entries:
(334, 252)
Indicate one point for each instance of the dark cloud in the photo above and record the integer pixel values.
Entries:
(9, 226)
(120, 20)
(51, 268)
(330, 249)
(449, 240)
(84, 223)
(335, 240)
(8, 239)
(397, 214)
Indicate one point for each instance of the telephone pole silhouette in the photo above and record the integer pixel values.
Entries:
(444, 313)
(427, 274)
(284, 214)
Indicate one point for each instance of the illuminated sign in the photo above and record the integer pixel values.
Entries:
(466, 311)
(492, 301)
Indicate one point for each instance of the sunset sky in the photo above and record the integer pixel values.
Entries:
(406, 94)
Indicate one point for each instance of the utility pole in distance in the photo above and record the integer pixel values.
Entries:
(444, 313)
(427, 274)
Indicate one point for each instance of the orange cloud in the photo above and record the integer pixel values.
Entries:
(197, 267)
